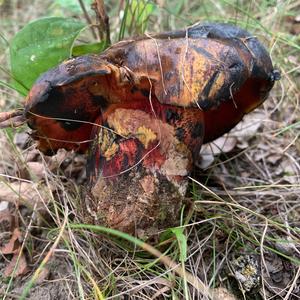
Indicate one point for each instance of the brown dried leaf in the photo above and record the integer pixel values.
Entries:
(221, 293)
(13, 246)
(274, 158)
(32, 155)
(25, 193)
(56, 160)
(17, 266)
(36, 169)
(5, 219)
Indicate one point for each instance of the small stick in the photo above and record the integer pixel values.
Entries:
(13, 118)
(104, 29)
(9, 114)
(88, 18)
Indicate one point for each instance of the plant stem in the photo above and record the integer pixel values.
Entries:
(102, 17)
(88, 18)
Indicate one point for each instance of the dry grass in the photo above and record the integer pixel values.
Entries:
(246, 206)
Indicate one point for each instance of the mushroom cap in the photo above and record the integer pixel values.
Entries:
(143, 108)
(205, 66)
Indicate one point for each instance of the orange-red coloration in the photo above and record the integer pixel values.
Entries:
(143, 108)
(228, 114)
(208, 66)
(170, 126)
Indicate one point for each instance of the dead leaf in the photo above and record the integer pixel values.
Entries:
(274, 158)
(289, 170)
(17, 266)
(6, 225)
(36, 169)
(13, 246)
(259, 155)
(56, 160)
(3, 206)
(21, 139)
(222, 293)
(6, 220)
(248, 128)
(223, 144)
(239, 136)
(249, 125)
(205, 160)
(25, 193)
(32, 155)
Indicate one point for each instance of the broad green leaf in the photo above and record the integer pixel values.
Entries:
(178, 232)
(182, 242)
(40, 45)
(88, 48)
(19, 89)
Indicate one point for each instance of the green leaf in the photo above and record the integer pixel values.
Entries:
(182, 242)
(19, 89)
(40, 45)
(88, 48)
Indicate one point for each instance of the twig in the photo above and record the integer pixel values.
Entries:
(102, 17)
(14, 118)
(88, 18)
(4, 116)
(293, 285)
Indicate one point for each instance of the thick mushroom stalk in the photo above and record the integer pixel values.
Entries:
(139, 167)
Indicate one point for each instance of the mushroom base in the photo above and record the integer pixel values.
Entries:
(146, 206)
